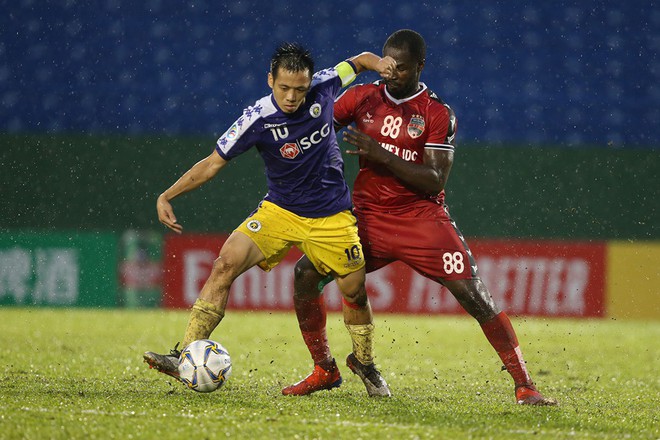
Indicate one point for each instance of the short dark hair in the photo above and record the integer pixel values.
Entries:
(406, 39)
(292, 57)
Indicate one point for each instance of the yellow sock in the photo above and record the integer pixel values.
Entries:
(363, 341)
(204, 318)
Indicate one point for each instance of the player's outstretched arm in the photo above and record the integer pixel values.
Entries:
(200, 173)
(368, 61)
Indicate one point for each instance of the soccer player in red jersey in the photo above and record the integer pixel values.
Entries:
(404, 135)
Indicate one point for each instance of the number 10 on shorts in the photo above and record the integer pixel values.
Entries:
(353, 253)
(453, 263)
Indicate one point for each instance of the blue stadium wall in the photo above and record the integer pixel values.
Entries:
(557, 73)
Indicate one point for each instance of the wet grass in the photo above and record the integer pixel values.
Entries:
(78, 374)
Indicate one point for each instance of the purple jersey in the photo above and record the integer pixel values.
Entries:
(304, 166)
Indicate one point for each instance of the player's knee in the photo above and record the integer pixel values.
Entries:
(475, 298)
(305, 280)
(353, 289)
(224, 270)
(302, 273)
(357, 297)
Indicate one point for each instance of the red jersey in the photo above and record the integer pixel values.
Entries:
(405, 127)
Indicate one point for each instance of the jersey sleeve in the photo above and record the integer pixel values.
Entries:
(334, 79)
(239, 137)
(345, 107)
(443, 130)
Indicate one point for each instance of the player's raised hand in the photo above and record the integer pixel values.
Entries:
(386, 66)
(166, 215)
(367, 146)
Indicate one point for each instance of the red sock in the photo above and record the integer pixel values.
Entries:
(311, 319)
(502, 337)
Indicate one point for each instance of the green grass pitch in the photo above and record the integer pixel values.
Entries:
(69, 374)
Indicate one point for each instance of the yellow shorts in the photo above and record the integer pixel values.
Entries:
(331, 243)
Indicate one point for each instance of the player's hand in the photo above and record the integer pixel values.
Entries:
(166, 214)
(367, 146)
(386, 67)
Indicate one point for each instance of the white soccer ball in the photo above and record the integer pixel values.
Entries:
(204, 365)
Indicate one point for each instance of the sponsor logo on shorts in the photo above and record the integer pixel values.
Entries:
(416, 126)
(289, 150)
(353, 263)
(254, 225)
(315, 110)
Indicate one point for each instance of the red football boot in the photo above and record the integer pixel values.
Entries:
(322, 378)
(527, 394)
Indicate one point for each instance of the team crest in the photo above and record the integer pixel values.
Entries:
(254, 225)
(315, 110)
(416, 126)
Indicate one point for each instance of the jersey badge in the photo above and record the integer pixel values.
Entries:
(232, 132)
(416, 126)
(289, 150)
(315, 110)
(254, 225)
(368, 119)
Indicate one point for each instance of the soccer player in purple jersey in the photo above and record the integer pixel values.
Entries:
(308, 204)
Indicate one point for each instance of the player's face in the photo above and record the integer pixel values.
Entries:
(290, 88)
(405, 80)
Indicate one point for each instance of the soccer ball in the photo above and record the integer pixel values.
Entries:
(204, 365)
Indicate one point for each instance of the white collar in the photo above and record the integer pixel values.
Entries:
(422, 87)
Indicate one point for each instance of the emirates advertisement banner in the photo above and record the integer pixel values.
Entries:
(525, 277)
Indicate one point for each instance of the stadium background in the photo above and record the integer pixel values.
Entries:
(104, 104)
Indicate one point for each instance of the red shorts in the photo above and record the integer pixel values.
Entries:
(425, 238)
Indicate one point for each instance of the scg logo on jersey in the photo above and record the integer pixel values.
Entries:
(314, 138)
(289, 152)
